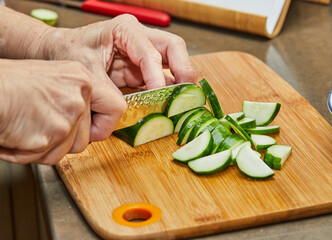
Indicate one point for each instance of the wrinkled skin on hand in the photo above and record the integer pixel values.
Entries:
(45, 110)
(121, 52)
(48, 104)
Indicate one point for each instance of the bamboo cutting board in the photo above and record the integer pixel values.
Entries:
(111, 174)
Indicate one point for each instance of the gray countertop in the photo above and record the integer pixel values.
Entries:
(301, 54)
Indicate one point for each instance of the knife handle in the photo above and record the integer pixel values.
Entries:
(143, 15)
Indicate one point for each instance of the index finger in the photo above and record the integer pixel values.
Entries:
(174, 52)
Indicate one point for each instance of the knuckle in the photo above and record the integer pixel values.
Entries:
(127, 18)
(62, 129)
(177, 40)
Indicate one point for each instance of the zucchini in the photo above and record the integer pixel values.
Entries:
(230, 142)
(175, 119)
(206, 124)
(237, 116)
(276, 155)
(197, 148)
(219, 134)
(262, 142)
(263, 130)
(183, 118)
(263, 112)
(194, 115)
(211, 164)
(47, 16)
(186, 130)
(236, 127)
(251, 165)
(236, 150)
(149, 128)
(246, 123)
(225, 123)
(212, 99)
(184, 98)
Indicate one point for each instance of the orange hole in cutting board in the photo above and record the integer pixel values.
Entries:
(136, 214)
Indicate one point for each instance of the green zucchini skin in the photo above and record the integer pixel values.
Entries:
(184, 89)
(194, 115)
(225, 156)
(230, 141)
(212, 99)
(235, 126)
(189, 127)
(219, 134)
(176, 118)
(129, 134)
(208, 123)
(263, 129)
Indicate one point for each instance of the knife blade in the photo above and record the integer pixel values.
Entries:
(141, 104)
(144, 15)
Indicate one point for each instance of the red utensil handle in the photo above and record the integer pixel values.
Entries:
(143, 15)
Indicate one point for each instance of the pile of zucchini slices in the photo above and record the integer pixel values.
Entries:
(210, 140)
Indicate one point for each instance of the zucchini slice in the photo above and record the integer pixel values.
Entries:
(149, 128)
(263, 130)
(263, 112)
(230, 142)
(238, 129)
(237, 116)
(203, 125)
(197, 148)
(186, 130)
(219, 134)
(212, 99)
(183, 118)
(262, 142)
(46, 15)
(251, 165)
(184, 98)
(276, 155)
(246, 123)
(211, 164)
(236, 150)
(194, 115)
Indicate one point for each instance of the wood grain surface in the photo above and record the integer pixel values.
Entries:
(216, 16)
(110, 174)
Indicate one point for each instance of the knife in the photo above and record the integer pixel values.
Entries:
(141, 104)
(144, 15)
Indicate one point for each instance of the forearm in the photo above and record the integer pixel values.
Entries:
(21, 36)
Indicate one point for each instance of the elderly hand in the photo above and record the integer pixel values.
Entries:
(45, 109)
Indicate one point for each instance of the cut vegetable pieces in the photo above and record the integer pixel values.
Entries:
(179, 123)
(263, 130)
(202, 111)
(211, 164)
(237, 116)
(186, 130)
(276, 155)
(263, 112)
(219, 134)
(184, 98)
(246, 123)
(197, 148)
(236, 150)
(203, 125)
(262, 142)
(230, 142)
(175, 119)
(235, 126)
(46, 15)
(225, 123)
(149, 128)
(251, 165)
(212, 99)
